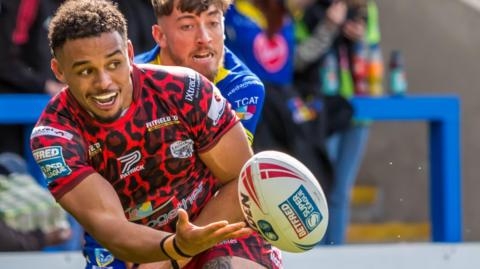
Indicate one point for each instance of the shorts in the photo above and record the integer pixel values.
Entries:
(98, 257)
(251, 247)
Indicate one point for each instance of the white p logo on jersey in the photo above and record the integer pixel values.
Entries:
(129, 161)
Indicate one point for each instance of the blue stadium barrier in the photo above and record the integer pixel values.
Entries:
(441, 112)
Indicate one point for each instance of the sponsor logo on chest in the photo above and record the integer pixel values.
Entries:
(162, 122)
(130, 164)
(94, 149)
(182, 149)
(184, 203)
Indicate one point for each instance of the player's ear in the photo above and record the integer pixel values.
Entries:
(57, 70)
(130, 51)
(159, 35)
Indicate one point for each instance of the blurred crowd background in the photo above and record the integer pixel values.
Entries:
(312, 56)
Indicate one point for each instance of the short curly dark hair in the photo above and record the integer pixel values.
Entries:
(84, 18)
(165, 7)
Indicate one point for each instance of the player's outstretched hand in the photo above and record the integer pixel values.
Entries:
(192, 239)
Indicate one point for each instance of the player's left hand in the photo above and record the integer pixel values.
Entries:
(192, 239)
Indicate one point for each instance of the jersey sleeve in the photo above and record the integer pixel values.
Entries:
(60, 151)
(247, 98)
(206, 111)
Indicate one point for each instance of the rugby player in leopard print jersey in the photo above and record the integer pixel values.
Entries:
(128, 148)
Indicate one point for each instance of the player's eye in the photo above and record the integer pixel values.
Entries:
(214, 23)
(113, 65)
(85, 72)
(186, 27)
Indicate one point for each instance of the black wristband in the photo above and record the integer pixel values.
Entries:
(162, 243)
(177, 249)
(175, 264)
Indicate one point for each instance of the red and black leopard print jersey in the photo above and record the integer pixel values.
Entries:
(150, 154)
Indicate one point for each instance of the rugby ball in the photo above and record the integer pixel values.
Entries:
(283, 201)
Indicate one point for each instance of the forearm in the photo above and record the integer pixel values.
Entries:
(102, 216)
(224, 206)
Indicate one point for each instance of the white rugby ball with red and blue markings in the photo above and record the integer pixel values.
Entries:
(282, 200)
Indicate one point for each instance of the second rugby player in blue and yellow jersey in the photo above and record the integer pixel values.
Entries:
(194, 42)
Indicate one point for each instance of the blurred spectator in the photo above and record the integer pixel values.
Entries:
(24, 57)
(24, 53)
(261, 34)
(29, 217)
(343, 25)
(14, 240)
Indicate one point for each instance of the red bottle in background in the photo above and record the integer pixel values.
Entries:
(360, 68)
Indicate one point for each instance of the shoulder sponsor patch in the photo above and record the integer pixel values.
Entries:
(217, 107)
(246, 107)
(51, 162)
(244, 85)
(47, 130)
(193, 86)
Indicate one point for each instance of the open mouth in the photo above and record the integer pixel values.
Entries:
(104, 100)
(200, 57)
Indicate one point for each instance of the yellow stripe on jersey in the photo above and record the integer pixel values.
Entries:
(249, 136)
(156, 60)
(221, 74)
(247, 9)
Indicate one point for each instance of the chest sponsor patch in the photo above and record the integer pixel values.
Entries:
(131, 163)
(51, 162)
(182, 149)
(94, 149)
(47, 130)
(162, 122)
(217, 107)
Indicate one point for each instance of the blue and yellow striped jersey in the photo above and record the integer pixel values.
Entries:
(242, 88)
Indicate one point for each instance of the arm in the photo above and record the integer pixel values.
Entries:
(225, 160)
(101, 214)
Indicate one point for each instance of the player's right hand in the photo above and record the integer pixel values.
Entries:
(192, 239)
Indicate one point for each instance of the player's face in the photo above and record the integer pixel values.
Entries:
(97, 72)
(192, 40)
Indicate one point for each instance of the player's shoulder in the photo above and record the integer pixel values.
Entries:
(60, 108)
(184, 82)
(60, 121)
(148, 56)
(238, 78)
